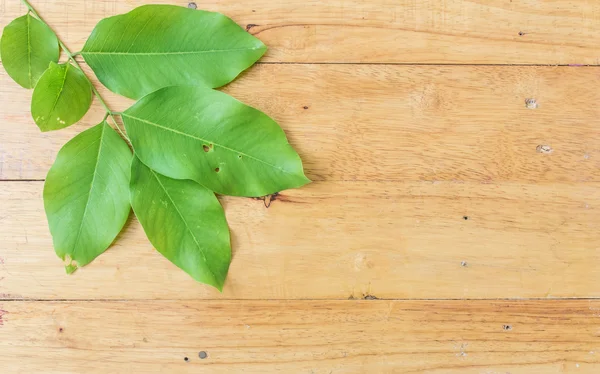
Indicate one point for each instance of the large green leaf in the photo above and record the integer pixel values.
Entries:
(28, 46)
(155, 46)
(184, 221)
(193, 132)
(61, 97)
(86, 194)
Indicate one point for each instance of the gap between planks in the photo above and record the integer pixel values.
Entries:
(382, 299)
(431, 64)
(426, 64)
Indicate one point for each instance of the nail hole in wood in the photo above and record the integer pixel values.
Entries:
(531, 103)
(543, 149)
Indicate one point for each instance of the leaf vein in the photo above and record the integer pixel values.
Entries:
(87, 203)
(206, 141)
(185, 223)
(62, 86)
(171, 53)
(29, 49)
(141, 30)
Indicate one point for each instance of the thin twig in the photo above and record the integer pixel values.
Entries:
(71, 56)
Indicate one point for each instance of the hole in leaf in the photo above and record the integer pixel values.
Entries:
(240, 157)
(206, 148)
(70, 264)
(217, 170)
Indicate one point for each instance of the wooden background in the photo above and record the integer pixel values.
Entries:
(453, 225)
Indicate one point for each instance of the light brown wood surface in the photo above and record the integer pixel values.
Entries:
(400, 123)
(450, 337)
(378, 31)
(447, 173)
(335, 240)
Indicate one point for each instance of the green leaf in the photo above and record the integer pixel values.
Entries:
(28, 46)
(61, 97)
(184, 222)
(192, 132)
(155, 46)
(86, 194)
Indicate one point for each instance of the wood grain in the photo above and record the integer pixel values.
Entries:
(339, 240)
(436, 337)
(378, 31)
(441, 180)
(395, 123)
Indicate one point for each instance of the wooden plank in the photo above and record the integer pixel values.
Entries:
(400, 123)
(450, 337)
(339, 240)
(378, 31)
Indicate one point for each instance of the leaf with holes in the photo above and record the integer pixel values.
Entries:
(190, 141)
(184, 222)
(27, 47)
(155, 46)
(192, 132)
(61, 97)
(86, 194)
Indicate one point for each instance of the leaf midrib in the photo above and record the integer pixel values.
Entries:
(171, 53)
(62, 87)
(29, 49)
(205, 141)
(87, 203)
(185, 223)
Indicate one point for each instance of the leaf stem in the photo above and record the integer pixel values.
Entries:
(71, 57)
(119, 129)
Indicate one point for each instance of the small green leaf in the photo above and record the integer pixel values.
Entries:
(62, 97)
(192, 132)
(28, 46)
(184, 222)
(86, 194)
(155, 46)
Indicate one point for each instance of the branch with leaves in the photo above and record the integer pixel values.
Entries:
(189, 141)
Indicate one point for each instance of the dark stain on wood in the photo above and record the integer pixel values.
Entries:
(251, 25)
